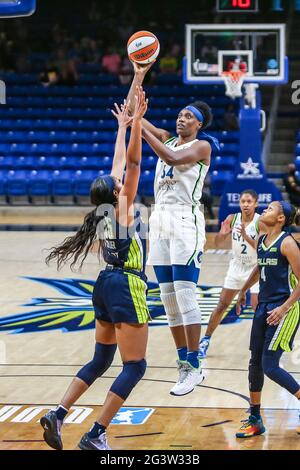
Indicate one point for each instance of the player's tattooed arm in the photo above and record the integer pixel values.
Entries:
(225, 230)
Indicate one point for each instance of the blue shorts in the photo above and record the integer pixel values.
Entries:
(267, 337)
(120, 297)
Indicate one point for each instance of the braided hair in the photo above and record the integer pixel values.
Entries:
(77, 246)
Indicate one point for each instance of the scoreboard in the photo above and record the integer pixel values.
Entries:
(239, 6)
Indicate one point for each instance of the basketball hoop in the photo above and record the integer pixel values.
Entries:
(233, 82)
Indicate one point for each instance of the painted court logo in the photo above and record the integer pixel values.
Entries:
(73, 309)
(77, 415)
(132, 415)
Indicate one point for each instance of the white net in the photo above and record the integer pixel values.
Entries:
(233, 82)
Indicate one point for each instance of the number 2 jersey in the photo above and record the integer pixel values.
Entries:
(243, 253)
(276, 277)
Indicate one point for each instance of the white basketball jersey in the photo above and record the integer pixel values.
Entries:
(242, 251)
(180, 184)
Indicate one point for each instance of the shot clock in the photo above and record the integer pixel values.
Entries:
(239, 6)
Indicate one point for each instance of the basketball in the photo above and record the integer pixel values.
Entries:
(143, 47)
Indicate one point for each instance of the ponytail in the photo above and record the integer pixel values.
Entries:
(77, 246)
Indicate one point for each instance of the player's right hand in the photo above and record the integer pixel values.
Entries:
(225, 227)
(141, 69)
(241, 302)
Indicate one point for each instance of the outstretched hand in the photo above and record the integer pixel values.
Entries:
(141, 103)
(141, 69)
(122, 114)
(225, 227)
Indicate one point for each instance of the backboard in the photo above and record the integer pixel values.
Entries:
(13, 8)
(256, 49)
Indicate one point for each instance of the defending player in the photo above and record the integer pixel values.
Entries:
(277, 316)
(177, 227)
(119, 296)
(244, 229)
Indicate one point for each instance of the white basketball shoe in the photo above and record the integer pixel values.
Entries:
(188, 379)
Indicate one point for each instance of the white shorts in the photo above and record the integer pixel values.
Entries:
(176, 237)
(237, 275)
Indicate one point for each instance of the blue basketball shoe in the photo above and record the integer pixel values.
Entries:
(252, 426)
(203, 347)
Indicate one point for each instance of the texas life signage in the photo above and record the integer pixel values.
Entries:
(250, 172)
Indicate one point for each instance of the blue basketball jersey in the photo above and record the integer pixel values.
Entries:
(123, 247)
(275, 271)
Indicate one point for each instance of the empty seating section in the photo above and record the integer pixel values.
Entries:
(54, 141)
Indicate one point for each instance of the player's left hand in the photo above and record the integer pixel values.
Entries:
(122, 114)
(276, 315)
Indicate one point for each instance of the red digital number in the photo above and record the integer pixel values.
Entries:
(241, 3)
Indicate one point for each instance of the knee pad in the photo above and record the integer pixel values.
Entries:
(256, 373)
(188, 306)
(103, 357)
(172, 309)
(132, 373)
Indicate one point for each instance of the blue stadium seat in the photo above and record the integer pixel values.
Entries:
(146, 183)
(62, 183)
(224, 163)
(149, 163)
(2, 183)
(7, 162)
(39, 183)
(83, 181)
(67, 163)
(219, 180)
(16, 184)
(24, 163)
(229, 149)
(47, 162)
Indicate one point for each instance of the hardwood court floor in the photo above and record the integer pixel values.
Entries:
(167, 429)
(36, 368)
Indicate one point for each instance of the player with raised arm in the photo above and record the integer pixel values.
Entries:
(119, 296)
(177, 226)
